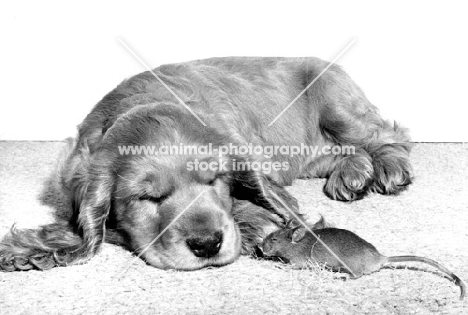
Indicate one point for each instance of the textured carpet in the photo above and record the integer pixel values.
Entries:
(429, 219)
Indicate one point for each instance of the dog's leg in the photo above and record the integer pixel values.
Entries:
(346, 117)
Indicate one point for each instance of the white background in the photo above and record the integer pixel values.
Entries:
(59, 59)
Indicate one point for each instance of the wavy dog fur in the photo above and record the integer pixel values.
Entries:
(132, 199)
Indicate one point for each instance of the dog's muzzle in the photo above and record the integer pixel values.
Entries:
(207, 246)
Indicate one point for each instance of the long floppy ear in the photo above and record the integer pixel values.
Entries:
(263, 191)
(90, 191)
(92, 212)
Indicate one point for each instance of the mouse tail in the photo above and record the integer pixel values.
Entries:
(435, 264)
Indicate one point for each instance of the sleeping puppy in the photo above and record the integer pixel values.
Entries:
(190, 183)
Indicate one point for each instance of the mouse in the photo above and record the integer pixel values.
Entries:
(337, 249)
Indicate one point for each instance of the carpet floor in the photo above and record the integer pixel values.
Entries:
(429, 219)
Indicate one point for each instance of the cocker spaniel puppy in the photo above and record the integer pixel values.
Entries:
(219, 198)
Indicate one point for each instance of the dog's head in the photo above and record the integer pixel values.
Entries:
(174, 209)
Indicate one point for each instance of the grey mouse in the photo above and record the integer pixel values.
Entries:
(351, 254)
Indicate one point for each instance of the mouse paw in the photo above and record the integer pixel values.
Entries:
(351, 179)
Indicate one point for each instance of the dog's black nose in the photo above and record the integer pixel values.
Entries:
(207, 246)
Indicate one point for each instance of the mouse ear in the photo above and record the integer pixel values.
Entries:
(298, 234)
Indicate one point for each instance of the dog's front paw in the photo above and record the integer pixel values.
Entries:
(41, 261)
(12, 263)
(351, 178)
(392, 169)
(44, 261)
(22, 263)
(21, 259)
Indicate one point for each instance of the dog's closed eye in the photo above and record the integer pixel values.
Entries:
(211, 181)
(154, 199)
